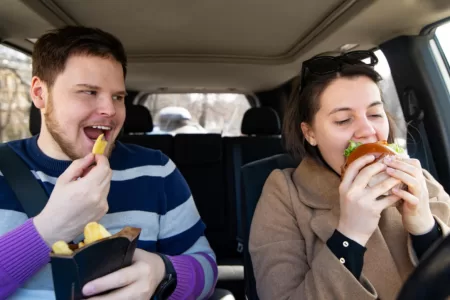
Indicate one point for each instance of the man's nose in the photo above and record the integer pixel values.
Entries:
(106, 106)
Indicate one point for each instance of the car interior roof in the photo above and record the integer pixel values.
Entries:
(243, 46)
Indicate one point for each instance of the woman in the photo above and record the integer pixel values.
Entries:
(317, 236)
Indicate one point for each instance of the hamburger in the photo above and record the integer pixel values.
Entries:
(380, 150)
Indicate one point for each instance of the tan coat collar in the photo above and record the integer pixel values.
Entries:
(318, 187)
(319, 183)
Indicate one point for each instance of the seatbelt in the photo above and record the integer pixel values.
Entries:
(237, 162)
(27, 189)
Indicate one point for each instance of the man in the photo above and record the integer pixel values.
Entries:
(79, 86)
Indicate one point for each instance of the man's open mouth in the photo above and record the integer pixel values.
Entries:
(93, 132)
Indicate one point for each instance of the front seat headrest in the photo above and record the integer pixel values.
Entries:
(138, 120)
(35, 120)
(261, 121)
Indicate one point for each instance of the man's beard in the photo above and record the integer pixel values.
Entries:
(57, 132)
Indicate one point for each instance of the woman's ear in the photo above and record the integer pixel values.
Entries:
(308, 133)
(38, 90)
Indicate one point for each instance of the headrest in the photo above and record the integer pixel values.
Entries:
(35, 120)
(138, 120)
(261, 121)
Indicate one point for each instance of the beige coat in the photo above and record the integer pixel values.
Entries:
(298, 211)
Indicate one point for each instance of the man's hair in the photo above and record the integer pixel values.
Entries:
(53, 49)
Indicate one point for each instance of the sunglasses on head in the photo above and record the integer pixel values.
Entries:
(324, 65)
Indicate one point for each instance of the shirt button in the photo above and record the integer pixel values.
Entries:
(345, 244)
(342, 260)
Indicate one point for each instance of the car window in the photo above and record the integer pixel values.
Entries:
(15, 100)
(440, 46)
(391, 99)
(196, 112)
(443, 36)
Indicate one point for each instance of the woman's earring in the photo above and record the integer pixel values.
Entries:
(312, 143)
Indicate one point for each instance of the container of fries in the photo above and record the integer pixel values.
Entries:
(74, 265)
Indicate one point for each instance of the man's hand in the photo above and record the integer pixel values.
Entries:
(136, 282)
(76, 201)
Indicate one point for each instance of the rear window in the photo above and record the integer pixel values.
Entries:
(196, 112)
(15, 101)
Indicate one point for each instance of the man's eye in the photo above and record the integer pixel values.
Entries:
(93, 93)
(119, 98)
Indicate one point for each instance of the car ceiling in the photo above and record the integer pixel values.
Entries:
(233, 45)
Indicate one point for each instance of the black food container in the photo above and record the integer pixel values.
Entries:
(100, 258)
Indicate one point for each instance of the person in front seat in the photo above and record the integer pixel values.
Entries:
(79, 86)
(315, 236)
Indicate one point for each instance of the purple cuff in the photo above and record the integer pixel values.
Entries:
(190, 277)
(7, 284)
(23, 253)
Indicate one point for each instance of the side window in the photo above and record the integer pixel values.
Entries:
(391, 98)
(15, 101)
(196, 112)
(441, 48)
(443, 37)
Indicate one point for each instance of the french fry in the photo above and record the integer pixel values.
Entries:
(61, 247)
(94, 232)
(105, 233)
(100, 145)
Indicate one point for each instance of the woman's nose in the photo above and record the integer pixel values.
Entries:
(364, 129)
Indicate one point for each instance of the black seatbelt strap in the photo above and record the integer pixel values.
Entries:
(25, 186)
(237, 161)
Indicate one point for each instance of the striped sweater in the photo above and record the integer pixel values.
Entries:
(147, 191)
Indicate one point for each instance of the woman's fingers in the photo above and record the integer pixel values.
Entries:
(353, 170)
(408, 197)
(382, 188)
(367, 173)
(408, 166)
(409, 180)
(386, 202)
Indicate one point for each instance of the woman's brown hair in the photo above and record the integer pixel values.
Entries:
(305, 103)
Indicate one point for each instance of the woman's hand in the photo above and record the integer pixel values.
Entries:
(416, 212)
(360, 209)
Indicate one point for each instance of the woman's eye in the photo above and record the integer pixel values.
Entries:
(342, 122)
(377, 116)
